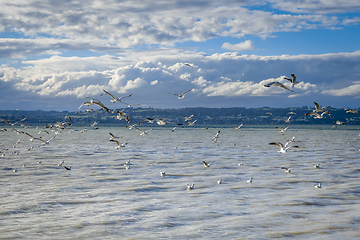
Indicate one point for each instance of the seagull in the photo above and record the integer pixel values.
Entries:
(290, 140)
(250, 180)
(351, 111)
(288, 119)
(149, 120)
(241, 163)
(292, 80)
(132, 126)
(122, 115)
(61, 163)
(67, 168)
(219, 181)
(189, 118)
(190, 187)
(142, 132)
(162, 174)
(160, 122)
(181, 96)
(183, 65)
(288, 170)
(206, 164)
(237, 128)
(316, 165)
(115, 99)
(282, 130)
(339, 122)
(118, 144)
(282, 148)
(192, 123)
(318, 116)
(94, 123)
(317, 185)
(318, 108)
(277, 84)
(112, 136)
(216, 137)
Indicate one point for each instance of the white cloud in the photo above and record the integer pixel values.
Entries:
(247, 45)
(353, 90)
(112, 26)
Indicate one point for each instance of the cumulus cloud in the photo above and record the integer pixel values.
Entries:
(113, 27)
(247, 45)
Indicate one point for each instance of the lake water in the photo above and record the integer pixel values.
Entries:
(99, 198)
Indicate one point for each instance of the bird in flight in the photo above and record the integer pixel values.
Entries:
(292, 80)
(183, 65)
(282, 148)
(277, 84)
(181, 96)
(115, 99)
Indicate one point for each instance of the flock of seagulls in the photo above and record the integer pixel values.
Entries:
(318, 113)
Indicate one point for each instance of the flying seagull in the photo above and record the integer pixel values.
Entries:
(115, 99)
(216, 137)
(206, 164)
(282, 148)
(237, 128)
(181, 96)
(292, 80)
(288, 170)
(277, 84)
(183, 65)
(282, 130)
(190, 187)
(118, 144)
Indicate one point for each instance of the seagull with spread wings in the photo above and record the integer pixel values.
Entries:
(115, 99)
(181, 96)
(292, 80)
(278, 84)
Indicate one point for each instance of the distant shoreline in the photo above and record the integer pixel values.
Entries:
(203, 116)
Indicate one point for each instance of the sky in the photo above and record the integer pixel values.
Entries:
(53, 55)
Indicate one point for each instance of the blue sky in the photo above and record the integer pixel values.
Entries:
(53, 56)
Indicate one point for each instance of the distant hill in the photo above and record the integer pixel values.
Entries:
(203, 116)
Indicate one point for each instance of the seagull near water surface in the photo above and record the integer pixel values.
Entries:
(282, 148)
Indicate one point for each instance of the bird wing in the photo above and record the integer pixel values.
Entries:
(112, 96)
(185, 92)
(317, 106)
(280, 145)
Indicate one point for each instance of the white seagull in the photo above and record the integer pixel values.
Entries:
(206, 164)
(316, 165)
(181, 96)
(282, 148)
(189, 118)
(219, 181)
(318, 185)
(183, 65)
(287, 170)
(292, 80)
(216, 137)
(115, 99)
(162, 174)
(278, 84)
(118, 144)
(237, 128)
(250, 180)
(282, 130)
(190, 187)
